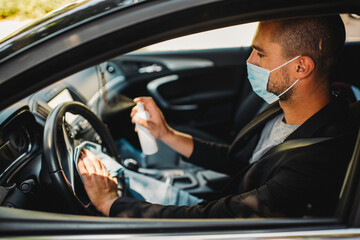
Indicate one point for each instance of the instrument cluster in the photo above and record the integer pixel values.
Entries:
(17, 136)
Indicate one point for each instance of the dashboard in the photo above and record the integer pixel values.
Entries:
(24, 180)
(22, 171)
(21, 125)
(17, 136)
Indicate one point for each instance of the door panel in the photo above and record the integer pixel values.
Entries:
(199, 88)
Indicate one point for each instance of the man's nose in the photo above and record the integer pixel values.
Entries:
(252, 58)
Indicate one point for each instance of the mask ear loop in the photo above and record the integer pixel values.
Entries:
(285, 63)
(282, 66)
(288, 88)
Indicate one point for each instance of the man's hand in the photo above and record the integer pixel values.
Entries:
(99, 185)
(156, 125)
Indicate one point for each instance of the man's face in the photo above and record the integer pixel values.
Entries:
(268, 54)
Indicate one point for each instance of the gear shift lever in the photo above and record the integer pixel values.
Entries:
(131, 164)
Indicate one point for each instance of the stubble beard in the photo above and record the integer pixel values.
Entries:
(278, 87)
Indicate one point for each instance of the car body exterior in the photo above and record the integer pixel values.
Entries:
(87, 33)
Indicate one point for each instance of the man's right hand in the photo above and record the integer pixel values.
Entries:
(158, 127)
(156, 124)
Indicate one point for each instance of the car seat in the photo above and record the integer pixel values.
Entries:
(246, 110)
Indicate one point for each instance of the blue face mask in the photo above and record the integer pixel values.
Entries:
(259, 78)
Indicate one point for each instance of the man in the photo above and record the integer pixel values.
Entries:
(289, 161)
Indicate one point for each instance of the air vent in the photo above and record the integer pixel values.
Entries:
(42, 109)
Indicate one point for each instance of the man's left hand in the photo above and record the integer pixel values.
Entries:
(99, 185)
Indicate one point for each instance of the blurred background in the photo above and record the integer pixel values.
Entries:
(14, 14)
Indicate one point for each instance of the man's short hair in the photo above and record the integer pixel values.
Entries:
(321, 38)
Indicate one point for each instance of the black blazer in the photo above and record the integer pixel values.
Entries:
(290, 180)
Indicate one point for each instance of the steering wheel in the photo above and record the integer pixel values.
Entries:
(59, 149)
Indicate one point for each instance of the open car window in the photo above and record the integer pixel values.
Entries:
(236, 36)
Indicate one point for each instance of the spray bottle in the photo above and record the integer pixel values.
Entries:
(147, 141)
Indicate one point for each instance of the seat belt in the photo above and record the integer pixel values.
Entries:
(292, 144)
(287, 145)
(297, 143)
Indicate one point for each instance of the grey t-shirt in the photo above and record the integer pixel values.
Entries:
(274, 133)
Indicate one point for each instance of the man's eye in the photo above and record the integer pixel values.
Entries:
(260, 55)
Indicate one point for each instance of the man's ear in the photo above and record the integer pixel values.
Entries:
(304, 67)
